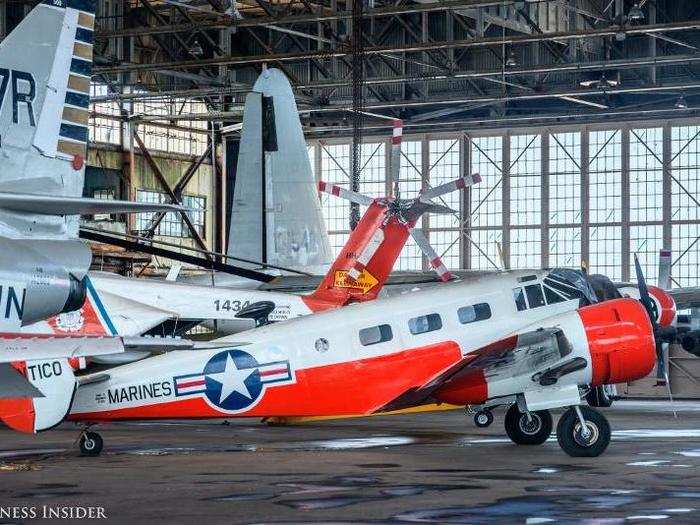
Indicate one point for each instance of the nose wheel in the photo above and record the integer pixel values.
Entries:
(583, 432)
(90, 443)
(528, 428)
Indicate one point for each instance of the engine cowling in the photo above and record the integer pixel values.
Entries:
(620, 340)
(42, 278)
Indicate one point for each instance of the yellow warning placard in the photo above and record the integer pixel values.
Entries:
(366, 281)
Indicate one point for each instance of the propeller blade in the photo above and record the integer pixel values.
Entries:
(421, 206)
(457, 184)
(644, 296)
(351, 196)
(664, 281)
(366, 255)
(434, 259)
(396, 156)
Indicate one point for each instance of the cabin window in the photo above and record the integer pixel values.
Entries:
(519, 297)
(376, 334)
(535, 296)
(425, 323)
(474, 313)
(552, 296)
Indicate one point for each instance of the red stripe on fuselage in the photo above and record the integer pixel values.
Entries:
(266, 373)
(351, 388)
(199, 382)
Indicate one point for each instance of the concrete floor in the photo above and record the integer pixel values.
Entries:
(429, 468)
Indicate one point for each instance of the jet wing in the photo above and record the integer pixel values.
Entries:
(531, 354)
(50, 205)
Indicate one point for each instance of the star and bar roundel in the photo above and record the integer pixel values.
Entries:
(233, 380)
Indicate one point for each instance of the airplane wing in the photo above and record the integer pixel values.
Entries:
(50, 205)
(31, 347)
(531, 354)
(685, 297)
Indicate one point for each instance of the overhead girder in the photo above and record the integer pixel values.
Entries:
(690, 25)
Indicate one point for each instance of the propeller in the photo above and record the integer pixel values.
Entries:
(408, 211)
(661, 335)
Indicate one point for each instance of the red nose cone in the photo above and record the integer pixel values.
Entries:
(620, 340)
(666, 304)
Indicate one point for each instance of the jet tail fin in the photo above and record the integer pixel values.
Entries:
(276, 215)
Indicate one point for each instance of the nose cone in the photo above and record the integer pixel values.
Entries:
(620, 340)
(666, 306)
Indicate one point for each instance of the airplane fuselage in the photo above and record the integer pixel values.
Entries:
(356, 360)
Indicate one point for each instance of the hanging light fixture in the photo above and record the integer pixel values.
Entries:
(636, 14)
(196, 49)
(511, 61)
(681, 102)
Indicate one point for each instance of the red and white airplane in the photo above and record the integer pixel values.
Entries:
(537, 340)
(521, 337)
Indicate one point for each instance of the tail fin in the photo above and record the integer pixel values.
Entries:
(276, 215)
(365, 262)
(45, 68)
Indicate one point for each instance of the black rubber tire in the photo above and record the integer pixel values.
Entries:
(520, 430)
(598, 397)
(91, 444)
(569, 427)
(483, 418)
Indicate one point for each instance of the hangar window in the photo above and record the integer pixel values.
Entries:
(376, 334)
(172, 224)
(474, 313)
(424, 324)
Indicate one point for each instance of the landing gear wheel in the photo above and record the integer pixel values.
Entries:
(524, 430)
(483, 418)
(598, 397)
(90, 444)
(575, 442)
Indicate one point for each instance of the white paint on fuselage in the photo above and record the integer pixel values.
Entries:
(295, 340)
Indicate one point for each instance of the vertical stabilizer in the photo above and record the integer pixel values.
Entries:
(276, 216)
(45, 68)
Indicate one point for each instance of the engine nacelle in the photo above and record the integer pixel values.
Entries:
(42, 278)
(620, 340)
(691, 342)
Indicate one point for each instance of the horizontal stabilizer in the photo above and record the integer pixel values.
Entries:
(49, 205)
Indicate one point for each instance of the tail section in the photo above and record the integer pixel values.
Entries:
(45, 68)
(276, 215)
(365, 262)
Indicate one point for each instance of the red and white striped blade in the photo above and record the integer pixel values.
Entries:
(457, 184)
(664, 281)
(366, 255)
(396, 139)
(341, 192)
(434, 259)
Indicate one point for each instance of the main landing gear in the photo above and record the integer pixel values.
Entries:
(581, 430)
(90, 443)
(528, 428)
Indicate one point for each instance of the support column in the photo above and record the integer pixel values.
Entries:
(465, 162)
(625, 204)
(667, 183)
(425, 184)
(544, 206)
(505, 199)
(585, 198)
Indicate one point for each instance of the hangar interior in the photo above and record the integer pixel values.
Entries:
(580, 115)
